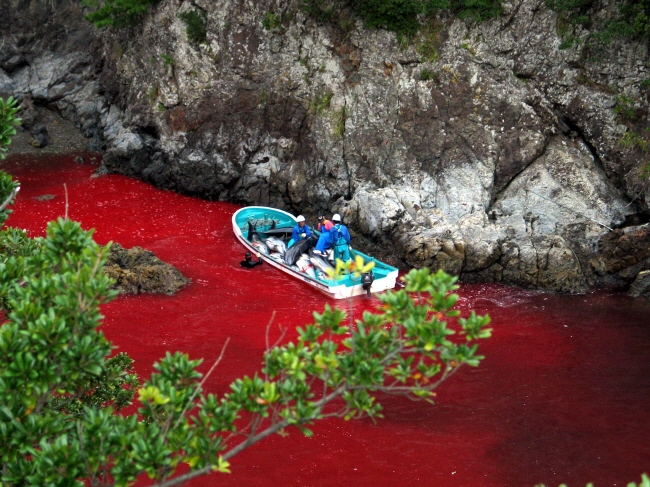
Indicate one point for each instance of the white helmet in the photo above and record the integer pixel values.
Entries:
(300, 218)
(336, 217)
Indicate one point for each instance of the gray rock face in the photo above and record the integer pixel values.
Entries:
(503, 160)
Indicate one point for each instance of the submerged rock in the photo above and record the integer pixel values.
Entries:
(44, 197)
(138, 270)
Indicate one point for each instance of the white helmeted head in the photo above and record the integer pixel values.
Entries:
(300, 218)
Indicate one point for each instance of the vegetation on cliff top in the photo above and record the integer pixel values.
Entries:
(116, 13)
(631, 20)
(402, 16)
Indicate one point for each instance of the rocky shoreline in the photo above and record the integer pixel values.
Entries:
(134, 270)
(502, 158)
(64, 137)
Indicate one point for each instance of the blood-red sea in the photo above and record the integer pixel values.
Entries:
(563, 394)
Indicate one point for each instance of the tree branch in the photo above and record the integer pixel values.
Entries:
(9, 199)
(198, 389)
(250, 441)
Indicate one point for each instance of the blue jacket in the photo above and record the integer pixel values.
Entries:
(337, 232)
(297, 231)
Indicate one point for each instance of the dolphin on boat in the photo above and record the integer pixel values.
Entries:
(276, 244)
(279, 231)
(277, 257)
(293, 254)
(252, 233)
(261, 246)
(319, 262)
(305, 266)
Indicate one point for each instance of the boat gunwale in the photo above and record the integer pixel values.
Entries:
(331, 290)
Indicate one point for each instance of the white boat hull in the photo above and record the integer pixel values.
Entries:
(334, 291)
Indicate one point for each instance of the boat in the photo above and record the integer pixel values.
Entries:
(255, 225)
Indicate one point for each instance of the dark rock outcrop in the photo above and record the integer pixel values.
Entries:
(623, 255)
(137, 270)
(29, 116)
(641, 285)
(40, 136)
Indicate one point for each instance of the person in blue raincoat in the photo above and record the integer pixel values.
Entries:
(301, 231)
(340, 239)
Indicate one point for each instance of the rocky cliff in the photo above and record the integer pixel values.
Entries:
(480, 148)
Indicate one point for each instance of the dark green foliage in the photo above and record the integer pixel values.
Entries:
(468, 48)
(14, 242)
(476, 10)
(8, 123)
(346, 23)
(15, 246)
(8, 187)
(399, 16)
(632, 140)
(321, 102)
(624, 108)
(271, 21)
(580, 6)
(321, 10)
(114, 388)
(567, 43)
(263, 97)
(632, 21)
(427, 75)
(428, 40)
(195, 25)
(117, 13)
(51, 341)
(8, 190)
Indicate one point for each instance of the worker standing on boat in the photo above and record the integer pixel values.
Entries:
(324, 225)
(340, 239)
(301, 231)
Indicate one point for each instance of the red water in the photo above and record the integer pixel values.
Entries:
(562, 396)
